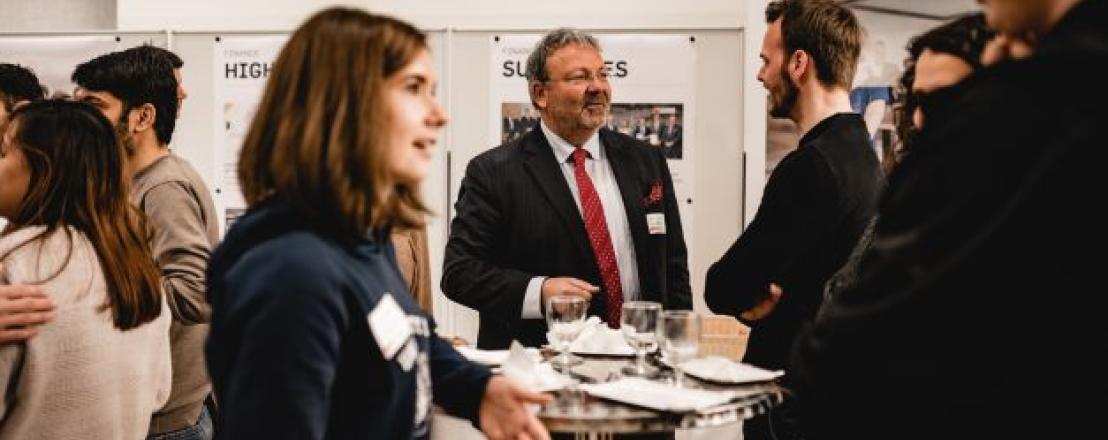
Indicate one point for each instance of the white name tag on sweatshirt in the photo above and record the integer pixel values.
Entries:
(389, 325)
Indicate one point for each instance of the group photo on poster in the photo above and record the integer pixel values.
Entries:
(660, 125)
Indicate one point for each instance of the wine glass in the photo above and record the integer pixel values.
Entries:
(680, 336)
(639, 325)
(565, 317)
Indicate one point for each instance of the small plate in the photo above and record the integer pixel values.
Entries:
(658, 396)
(725, 371)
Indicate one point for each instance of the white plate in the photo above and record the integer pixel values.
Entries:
(578, 351)
(658, 396)
(619, 351)
(724, 370)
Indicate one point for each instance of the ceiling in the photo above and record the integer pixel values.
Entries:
(929, 9)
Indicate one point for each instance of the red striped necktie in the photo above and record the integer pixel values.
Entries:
(599, 238)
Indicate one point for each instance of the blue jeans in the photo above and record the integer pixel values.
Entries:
(202, 430)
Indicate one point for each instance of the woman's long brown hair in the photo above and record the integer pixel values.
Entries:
(317, 139)
(77, 180)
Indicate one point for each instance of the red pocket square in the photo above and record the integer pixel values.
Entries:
(655, 196)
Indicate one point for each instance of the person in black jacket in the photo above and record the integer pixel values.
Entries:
(818, 200)
(937, 59)
(314, 334)
(980, 309)
(569, 209)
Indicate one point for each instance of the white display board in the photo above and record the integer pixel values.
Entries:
(652, 78)
(240, 69)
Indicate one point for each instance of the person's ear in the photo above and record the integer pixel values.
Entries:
(538, 94)
(147, 114)
(798, 66)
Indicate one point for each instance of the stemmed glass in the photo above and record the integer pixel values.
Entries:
(639, 325)
(680, 339)
(565, 317)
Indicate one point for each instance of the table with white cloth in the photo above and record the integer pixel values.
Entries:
(576, 410)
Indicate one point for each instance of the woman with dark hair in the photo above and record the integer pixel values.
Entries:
(938, 59)
(314, 334)
(101, 368)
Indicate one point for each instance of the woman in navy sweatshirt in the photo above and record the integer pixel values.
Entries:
(314, 335)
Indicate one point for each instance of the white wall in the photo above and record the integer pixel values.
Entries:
(57, 15)
(594, 14)
(754, 113)
(222, 15)
(499, 14)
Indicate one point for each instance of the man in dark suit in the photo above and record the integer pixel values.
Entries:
(568, 210)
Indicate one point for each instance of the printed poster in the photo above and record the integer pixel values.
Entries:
(242, 66)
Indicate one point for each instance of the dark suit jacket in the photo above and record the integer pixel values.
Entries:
(516, 219)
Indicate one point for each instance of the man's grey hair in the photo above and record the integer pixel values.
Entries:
(536, 62)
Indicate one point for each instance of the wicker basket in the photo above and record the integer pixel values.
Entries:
(723, 336)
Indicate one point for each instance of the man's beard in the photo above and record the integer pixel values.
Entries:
(595, 98)
(126, 140)
(786, 102)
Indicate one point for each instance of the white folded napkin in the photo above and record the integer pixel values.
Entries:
(724, 370)
(596, 337)
(493, 358)
(659, 396)
(529, 372)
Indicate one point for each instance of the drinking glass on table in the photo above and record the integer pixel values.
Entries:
(639, 325)
(565, 317)
(680, 337)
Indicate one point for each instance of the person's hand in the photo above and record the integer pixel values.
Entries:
(765, 306)
(566, 286)
(504, 415)
(22, 309)
(1007, 47)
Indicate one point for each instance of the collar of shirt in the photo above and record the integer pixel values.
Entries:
(563, 149)
(829, 123)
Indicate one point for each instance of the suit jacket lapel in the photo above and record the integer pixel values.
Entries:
(629, 177)
(546, 171)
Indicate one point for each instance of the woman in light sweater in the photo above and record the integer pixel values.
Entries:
(101, 368)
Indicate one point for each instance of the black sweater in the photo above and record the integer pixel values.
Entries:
(817, 202)
(291, 353)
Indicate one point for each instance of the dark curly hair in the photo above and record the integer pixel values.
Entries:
(135, 76)
(18, 83)
(964, 37)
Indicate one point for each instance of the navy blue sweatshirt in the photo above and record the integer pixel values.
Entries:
(292, 351)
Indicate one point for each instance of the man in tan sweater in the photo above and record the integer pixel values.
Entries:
(137, 89)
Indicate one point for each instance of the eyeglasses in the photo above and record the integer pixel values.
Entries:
(585, 78)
